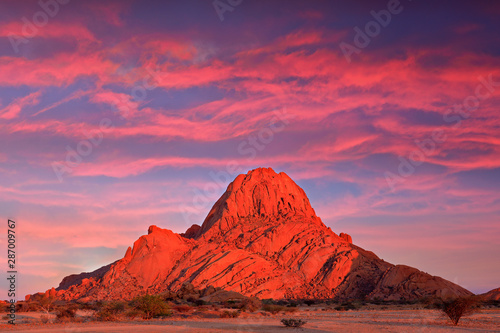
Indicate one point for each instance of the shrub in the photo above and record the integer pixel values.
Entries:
(44, 319)
(109, 311)
(105, 314)
(94, 306)
(459, 307)
(293, 322)
(151, 306)
(250, 304)
(230, 314)
(133, 313)
(347, 306)
(116, 307)
(65, 313)
(309, 302)
(492, 303)
(272, 308)
(232, 304)
(47, 303)
(22, 307)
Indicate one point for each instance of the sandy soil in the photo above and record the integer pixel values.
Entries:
(317, 321)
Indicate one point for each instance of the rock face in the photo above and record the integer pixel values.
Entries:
(261, 238)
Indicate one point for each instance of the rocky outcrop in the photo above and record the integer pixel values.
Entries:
(76, 279)
(261, 238)
(346, 237)
(492, 295)
(404, 280)
(192, 232)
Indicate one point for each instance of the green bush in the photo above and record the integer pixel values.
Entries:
(151, 306)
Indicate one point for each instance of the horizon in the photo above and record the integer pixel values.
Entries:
(120, 115)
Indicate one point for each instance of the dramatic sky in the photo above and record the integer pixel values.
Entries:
(118, 115)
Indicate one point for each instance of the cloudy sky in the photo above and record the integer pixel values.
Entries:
(118, 115)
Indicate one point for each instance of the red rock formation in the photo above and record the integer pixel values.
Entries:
(259, 194)
(261, 238)
(192, 231)
(346, 237)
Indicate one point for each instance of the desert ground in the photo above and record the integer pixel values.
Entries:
(318, 320)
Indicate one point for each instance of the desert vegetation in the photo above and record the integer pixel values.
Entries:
(459, 307)
(186, 306)
(291, 322)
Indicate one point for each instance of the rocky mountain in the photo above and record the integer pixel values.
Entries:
(261, 238)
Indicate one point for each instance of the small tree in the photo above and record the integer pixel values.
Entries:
(47, 304)
(151, 306)
(459, 307)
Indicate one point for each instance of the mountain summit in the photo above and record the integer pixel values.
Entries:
(260, 194)
(261, 238)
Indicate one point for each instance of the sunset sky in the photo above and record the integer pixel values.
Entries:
(118, 115)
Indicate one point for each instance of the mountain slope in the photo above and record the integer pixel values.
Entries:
(261, 238)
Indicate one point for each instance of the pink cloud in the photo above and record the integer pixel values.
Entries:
(15, 107)
(59, 71)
